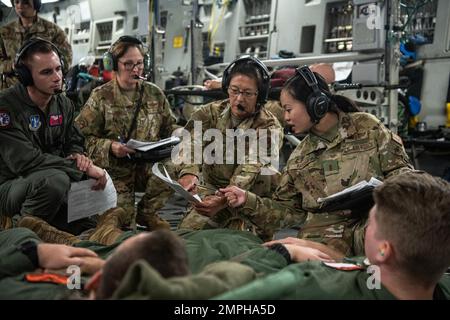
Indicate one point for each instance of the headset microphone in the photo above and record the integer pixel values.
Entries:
(136, 77)
(241, 108)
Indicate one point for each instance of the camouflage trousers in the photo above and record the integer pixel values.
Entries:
(155, 197)
(344, 234)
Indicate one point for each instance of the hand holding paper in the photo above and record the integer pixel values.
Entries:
(174, 185)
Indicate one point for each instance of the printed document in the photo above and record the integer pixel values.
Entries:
(145, 146)
(84, 202)
(178, 188)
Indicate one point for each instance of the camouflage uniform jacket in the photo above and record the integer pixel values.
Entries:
(13, 35)
(32, 140)
(217, 115)
(358, 148)
(108, 114)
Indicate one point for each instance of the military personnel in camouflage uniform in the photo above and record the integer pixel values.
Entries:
(106, 119)
(237, 112)
(341, 149)
(41, 149)
(29, 25)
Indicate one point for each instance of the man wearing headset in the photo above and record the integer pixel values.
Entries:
(41, 149)
(29, 25)
(246, 81)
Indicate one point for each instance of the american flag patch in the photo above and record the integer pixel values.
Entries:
(56, 120)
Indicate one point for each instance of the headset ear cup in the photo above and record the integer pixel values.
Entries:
(108, 63)
(24, 75)
(317, 106)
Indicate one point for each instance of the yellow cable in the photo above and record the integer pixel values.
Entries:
(222, 14)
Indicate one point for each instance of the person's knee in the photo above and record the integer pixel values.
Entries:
(53, 186)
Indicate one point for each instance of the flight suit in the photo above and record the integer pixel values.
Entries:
(317, 280)
(358, 148)
(107, 117)
(35, 175)
(14, 35)
(244, 174)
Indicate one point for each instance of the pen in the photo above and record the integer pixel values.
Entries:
(122, 142)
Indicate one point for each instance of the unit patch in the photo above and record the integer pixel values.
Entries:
(35, 123)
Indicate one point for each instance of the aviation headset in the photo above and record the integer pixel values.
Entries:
(263, 85)
(36, 4)
(317, 103)
(22, 71)
(110, 61)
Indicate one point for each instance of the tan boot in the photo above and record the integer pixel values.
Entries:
(46, 232)
(5, 222)
(152, 222)
(109, 226)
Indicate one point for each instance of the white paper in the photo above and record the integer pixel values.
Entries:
(178, 188)
(84, 202)
(360, 185)
(145, 146)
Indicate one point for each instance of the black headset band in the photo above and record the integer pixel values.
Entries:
(310, 79)
(31, 43)
(264, 82)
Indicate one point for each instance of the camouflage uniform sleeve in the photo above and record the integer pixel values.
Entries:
(204, 117)
(283, 210)
(5, 61)
(169, 121)
(60, 40)
(246, 174)
(393, 157)
(91, 122)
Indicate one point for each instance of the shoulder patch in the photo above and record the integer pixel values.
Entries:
(35, 122)
(5, 119)
(343, 266)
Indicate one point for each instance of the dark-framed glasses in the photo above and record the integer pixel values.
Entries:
(128, 65)
(235, 91)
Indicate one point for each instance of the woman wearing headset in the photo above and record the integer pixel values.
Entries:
(246, 81)
(122, 109)
(342, 148)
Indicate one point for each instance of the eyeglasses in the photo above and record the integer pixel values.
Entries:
(235, 91)
(130, 65)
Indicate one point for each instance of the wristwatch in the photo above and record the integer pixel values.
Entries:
(29, 248)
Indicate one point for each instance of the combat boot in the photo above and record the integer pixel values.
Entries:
(5, 222)
(47, 232)
(109, 226)
(152, 222)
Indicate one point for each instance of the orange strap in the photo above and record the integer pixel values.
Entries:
(46, 277)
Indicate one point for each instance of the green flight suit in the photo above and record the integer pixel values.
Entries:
(13, 36)
(358, 148)
(34, 172)
(205, 248)
(316, 281)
